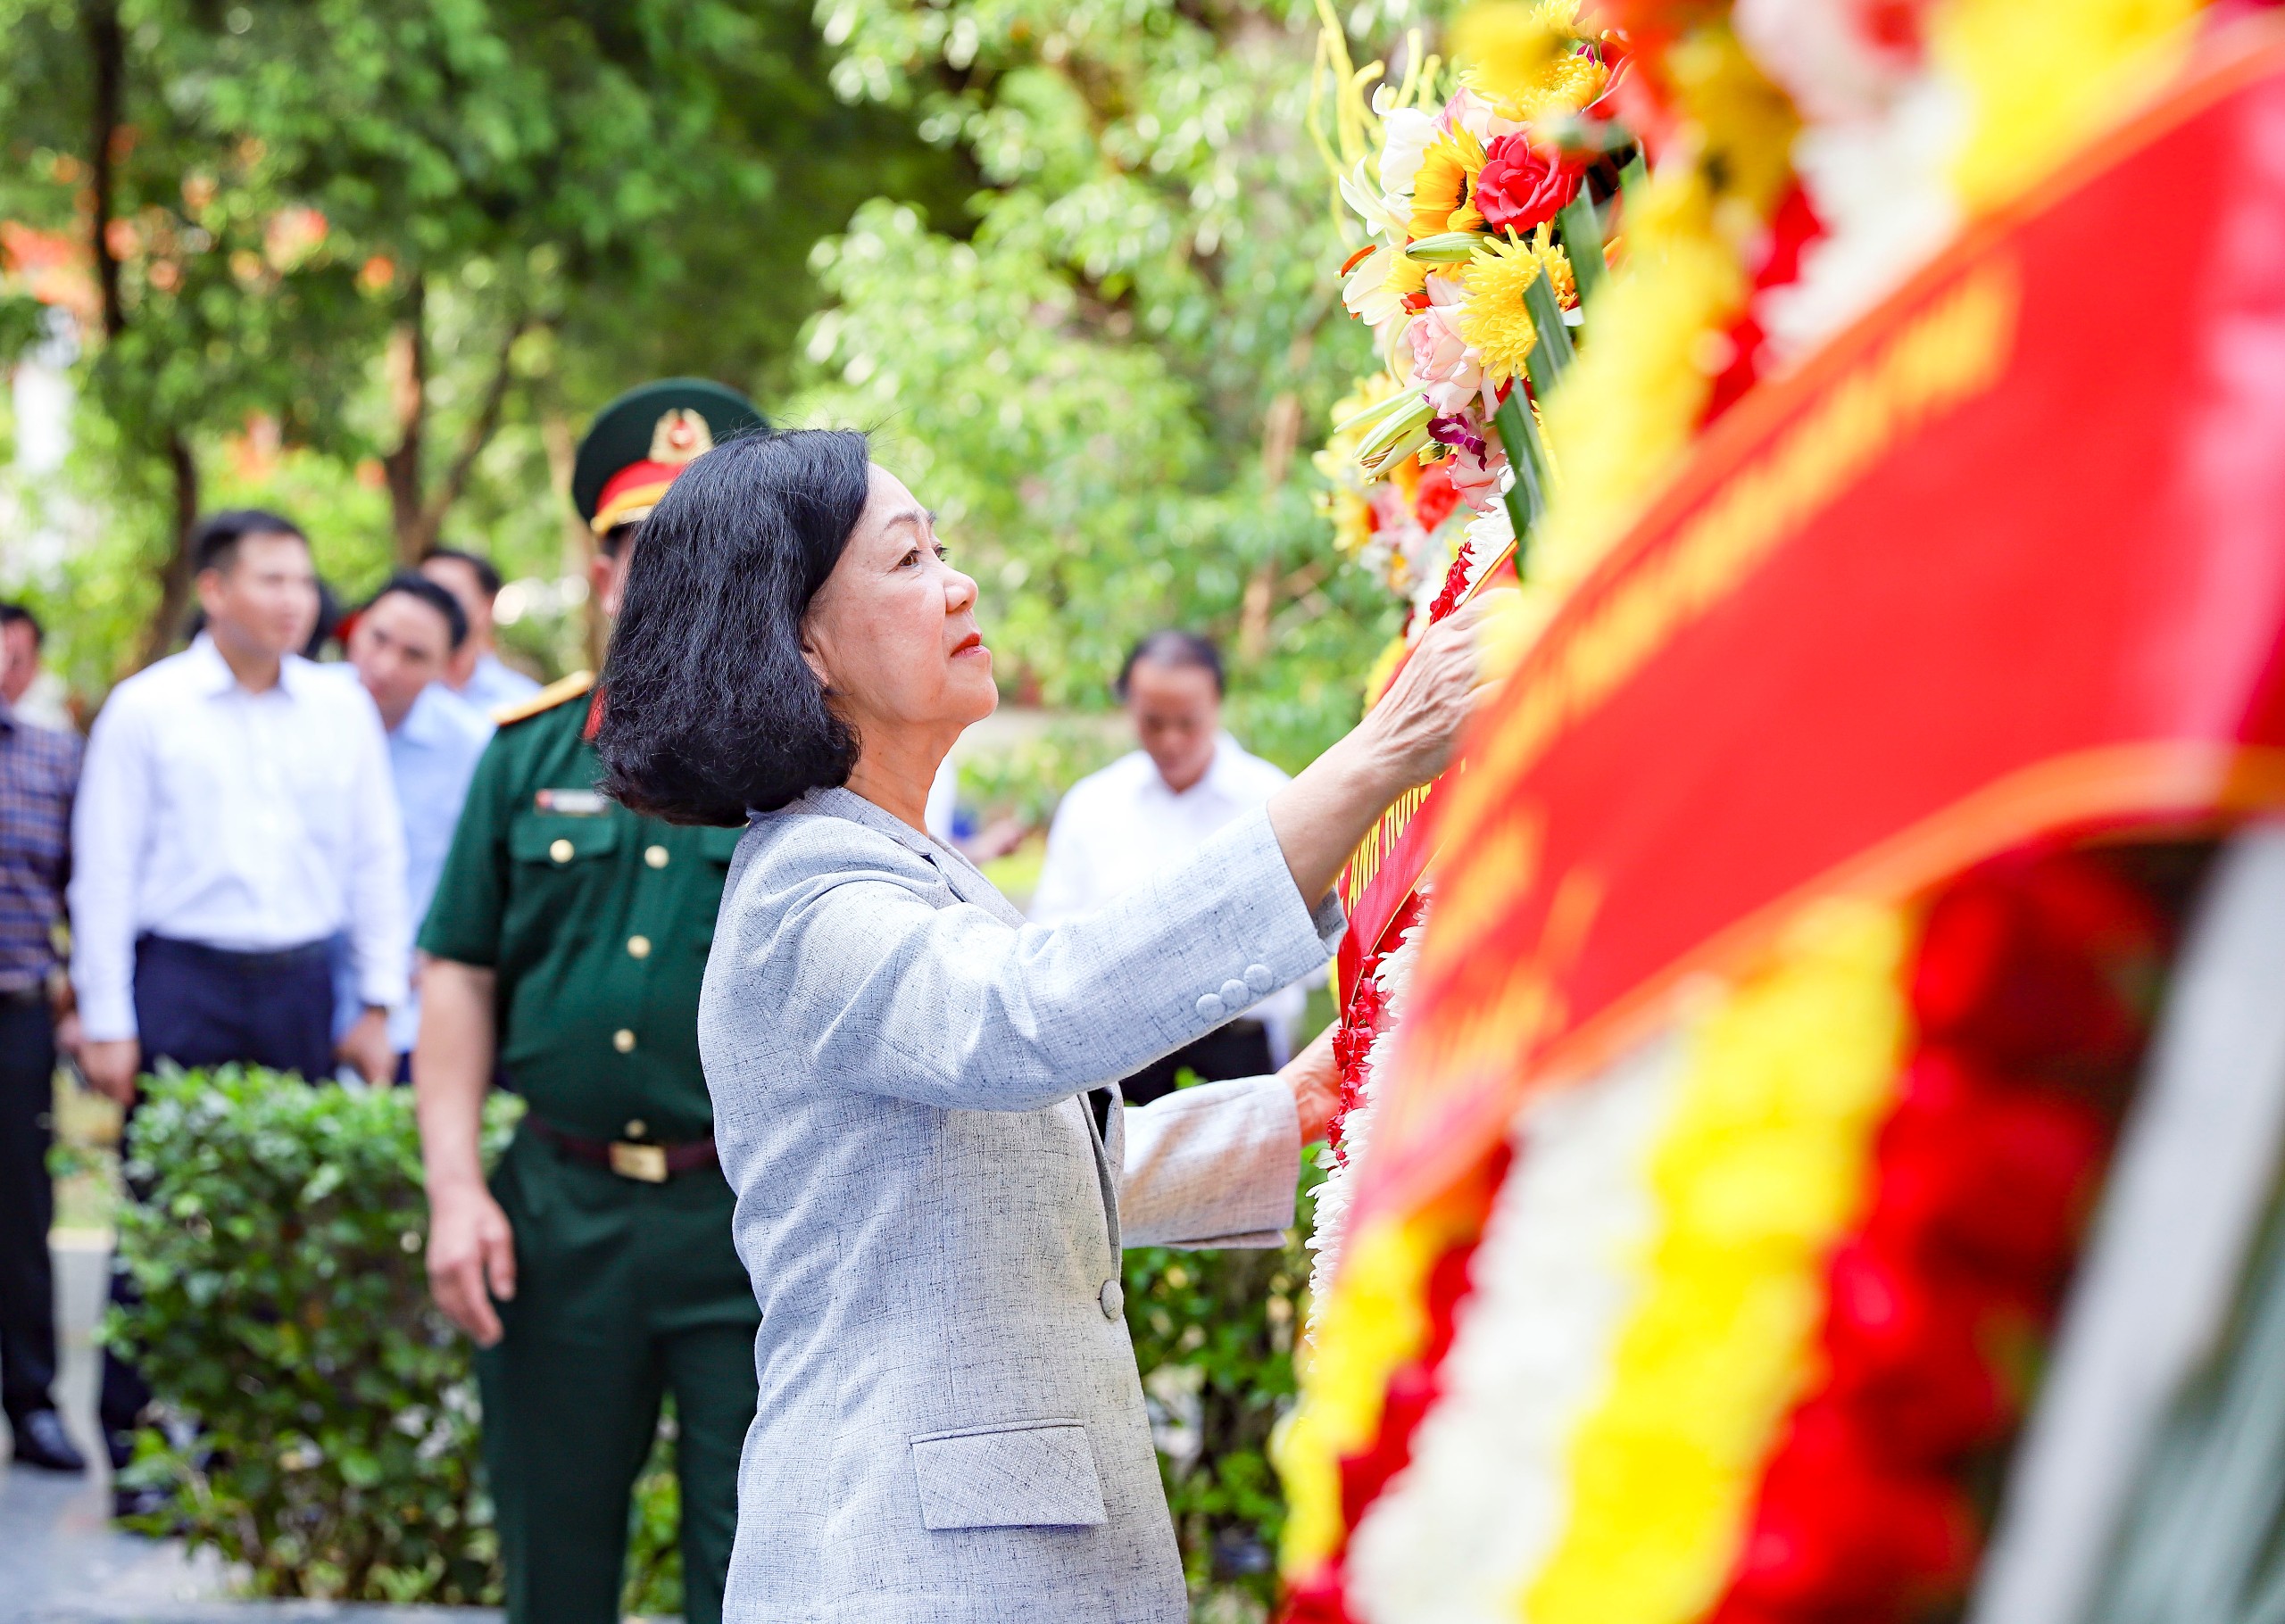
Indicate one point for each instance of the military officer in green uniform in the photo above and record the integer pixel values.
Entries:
(565, 947)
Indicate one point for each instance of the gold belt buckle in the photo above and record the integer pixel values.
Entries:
(646, 1163)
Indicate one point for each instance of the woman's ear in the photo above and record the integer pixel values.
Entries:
(815, 659)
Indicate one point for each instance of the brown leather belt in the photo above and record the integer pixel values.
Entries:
(645, 1163)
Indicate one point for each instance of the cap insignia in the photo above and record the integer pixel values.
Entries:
(681, 435)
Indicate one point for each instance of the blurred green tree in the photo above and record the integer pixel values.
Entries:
(392, 227)
(1107, 376)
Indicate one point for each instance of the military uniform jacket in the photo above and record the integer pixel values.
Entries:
(950, 1427)
(596, 924)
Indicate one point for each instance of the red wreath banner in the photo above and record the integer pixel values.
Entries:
(1889, 623)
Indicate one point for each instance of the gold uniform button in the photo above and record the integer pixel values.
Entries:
(655, 855)
(638, 947)
(623, 1040)
(560, 850)
(637, 1128)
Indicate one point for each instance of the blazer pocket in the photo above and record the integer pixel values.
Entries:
(1022, 1474)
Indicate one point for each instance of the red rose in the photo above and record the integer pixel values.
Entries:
(1521, 188)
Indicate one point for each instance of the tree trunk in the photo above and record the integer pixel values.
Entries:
(1281, 433)
(479, 435)
(107, 112)
(173, 611)
(408, 385)
(107, 55)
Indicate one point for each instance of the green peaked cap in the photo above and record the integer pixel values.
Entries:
(640, 441)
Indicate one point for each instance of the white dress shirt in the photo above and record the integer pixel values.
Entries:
(433, 754)
(246, 821)
(1120, 827)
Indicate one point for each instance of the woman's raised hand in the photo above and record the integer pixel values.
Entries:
(1406, 739)
(1416, 726)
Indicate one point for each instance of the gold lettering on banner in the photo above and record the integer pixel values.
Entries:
(1955, 349)
(1381, 839)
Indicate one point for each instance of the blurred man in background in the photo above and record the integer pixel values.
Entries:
(32, 694)
(399, 645)
(39, 769)
(235, 813)
(478, 675)
(1151, 808)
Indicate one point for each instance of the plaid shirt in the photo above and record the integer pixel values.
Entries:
(39, 770)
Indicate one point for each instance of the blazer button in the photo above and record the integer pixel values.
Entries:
(1211, 1007)
(1259, 979)
(1234, 995)
(1113, 1298)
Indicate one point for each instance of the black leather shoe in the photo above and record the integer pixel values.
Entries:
(41, 1441)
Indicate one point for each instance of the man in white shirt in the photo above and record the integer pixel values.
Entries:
(1153, 807)
(235, 813)
(476, 674)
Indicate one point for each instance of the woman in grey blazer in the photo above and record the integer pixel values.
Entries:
(950, 1427)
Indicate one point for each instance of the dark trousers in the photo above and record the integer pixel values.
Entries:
(27, 1206)
(624, 1292)
(198, 1005)
(1239, 1049)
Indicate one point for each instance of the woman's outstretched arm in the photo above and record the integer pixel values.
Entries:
(1406, 739)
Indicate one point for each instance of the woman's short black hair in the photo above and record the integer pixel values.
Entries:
(708, 707)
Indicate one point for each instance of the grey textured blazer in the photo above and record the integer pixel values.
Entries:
(950, 1427)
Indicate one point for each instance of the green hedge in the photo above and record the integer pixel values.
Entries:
(322, 1413)
(320, 1417)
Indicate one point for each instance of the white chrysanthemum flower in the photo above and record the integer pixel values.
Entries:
(1456, 1533)
(1882, 187)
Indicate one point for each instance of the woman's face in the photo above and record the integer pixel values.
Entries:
(892, 634)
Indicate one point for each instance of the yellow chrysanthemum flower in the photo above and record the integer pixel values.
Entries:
(1506, 48)
(1568, 84)
(1494, 318)
(1443, 193)
(1747, 123)
(1521, 56)
(1626, 411)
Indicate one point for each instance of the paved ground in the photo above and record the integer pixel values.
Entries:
(62, 1562)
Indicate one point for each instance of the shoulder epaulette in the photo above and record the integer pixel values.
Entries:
(547, 699)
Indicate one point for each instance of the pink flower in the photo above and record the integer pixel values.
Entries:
(1450, 373)
(1476, 475)
(1521, 187)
